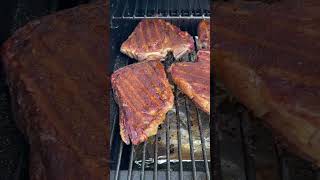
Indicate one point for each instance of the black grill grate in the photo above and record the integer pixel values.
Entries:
(244, 147)
(166, 9)
(155, 155)
(124, 162)
(249, 150)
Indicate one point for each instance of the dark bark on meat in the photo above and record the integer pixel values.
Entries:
(144, 96)
(56, 74)
(268, 57)
(196, 85)
(153, 39)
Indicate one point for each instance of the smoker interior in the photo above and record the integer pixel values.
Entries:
(243, 147)
(126, 157)
(163, 155)
(248, 149)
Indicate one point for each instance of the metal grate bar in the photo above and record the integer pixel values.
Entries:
(146, 9)
(248, 161)
(190, 12)
(283, 174)
(165, 10)
(215, 153)
(203, 145)
(194, 173)
(178, 133)
(168, 8)
(201, 10)
(125, 8)
(135, 9)
(157, 8)
(119, 161)
(116, 8)
(131, 163)
(143, 160)
(113, 128)
(168, 148)
(155, 171)
(166, 167)
(193, 6)
(179, 11)
(163, 17)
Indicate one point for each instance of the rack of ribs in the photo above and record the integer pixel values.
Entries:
(153, 39)
(193, 78)
(144, 96)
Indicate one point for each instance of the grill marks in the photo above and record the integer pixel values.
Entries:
(153, 39)
(184, 69)
(195, 85)
(144, 96)
(149, 35)
(157, 34)
(141, 36)
(143, 92)
(146, 87)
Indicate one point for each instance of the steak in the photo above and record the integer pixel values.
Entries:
(144, 96)
(272, 66)
(153, 39)
(204, 34)
(195, 85)
(56, 72)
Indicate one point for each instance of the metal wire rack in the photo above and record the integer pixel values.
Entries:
(166, 9)
(168, 152)
(246, 149)
(249, 150)
(125, 158)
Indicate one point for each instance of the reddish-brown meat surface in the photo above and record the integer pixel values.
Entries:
(268, 57)
(56, 71)
(193, 78)
(203, 56)
(204, 34)
(144, 96)
(153, 39)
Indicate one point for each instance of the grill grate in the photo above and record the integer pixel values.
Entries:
(186, 14)
(249, 150)
(246, 149)
(155, 165)
(146, 9)
(172, 168)
(132, 151)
